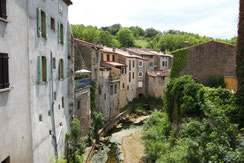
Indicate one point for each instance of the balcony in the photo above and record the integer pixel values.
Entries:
(114, 76)
(82, 83)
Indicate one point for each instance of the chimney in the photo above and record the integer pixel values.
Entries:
(114, 49)
(124, 48)
(186, 44)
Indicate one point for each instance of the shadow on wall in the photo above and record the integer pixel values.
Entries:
(3, 27)
(4, 98)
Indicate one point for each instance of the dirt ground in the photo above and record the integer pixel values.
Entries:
(133, 148)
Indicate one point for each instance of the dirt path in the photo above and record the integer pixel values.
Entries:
(133, 148)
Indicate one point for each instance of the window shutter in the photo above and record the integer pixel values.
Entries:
(5, 68)
(46, 26)
(47, 69)
(59, 32)
(39, 22)
(59, 76)
(39, 60)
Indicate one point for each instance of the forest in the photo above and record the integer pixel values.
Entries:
(134, 36)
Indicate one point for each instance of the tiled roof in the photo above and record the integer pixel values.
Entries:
(115, 64)
(87, 43)
(120, 52)
(139, 51)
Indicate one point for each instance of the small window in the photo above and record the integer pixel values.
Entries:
(128, 87)
(43, 75)
(60, 7)
(105, 96)
(133, 75)
(61, 69)
(61, 33)
(108, 57)
(140, 84)
(3, 9)
(113, 58)
(163, 63)
(44, 69)
(52, 23)
(115, 89)
(97, 56)
(133, 64)
(111, 89)
(129, 76)
(140, 74)
(123, 85)
(54, 63)
(4, 71)
(43, 24)
(140, 63)
(54, 96)
(78, 105)
(129, 65)
(40, 118)
(62, 102)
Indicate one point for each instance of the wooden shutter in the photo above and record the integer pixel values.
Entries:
(39, 60)
(61, 69)
(39, 22)
(46, 26)
(47, 69)
(59, 32)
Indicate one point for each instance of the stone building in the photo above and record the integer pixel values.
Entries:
(210, 58)
(35, 91)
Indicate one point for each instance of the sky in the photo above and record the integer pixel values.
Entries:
(213, 18)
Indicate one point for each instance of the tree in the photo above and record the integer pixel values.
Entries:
(151, 32)
(115, 28)
(78, 31)
(137, 31)
(125, 37)
(105, 38)
(240, 60)
(90, 34)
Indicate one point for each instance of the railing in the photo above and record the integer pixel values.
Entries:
(81, 83)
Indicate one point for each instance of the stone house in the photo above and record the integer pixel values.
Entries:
(141, 77)
(34, 86)
(210, 58)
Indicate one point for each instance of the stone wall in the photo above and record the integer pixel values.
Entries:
(156, 85)
(211, 58)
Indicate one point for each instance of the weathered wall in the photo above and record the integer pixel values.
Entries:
(83, 110)
(43, 145)
(211, 58)
(15, 118)
(122, 94)
(156, 85)
(131, 92)
(82, 57)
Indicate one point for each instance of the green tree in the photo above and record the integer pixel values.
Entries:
(151, 32)
(77, 31)
(125, 37)
(137, 31)
(114, 29)
(105, 38)
(91, 34)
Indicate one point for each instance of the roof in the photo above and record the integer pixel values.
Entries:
(119, 52)
(68, 2)
(139, 51)
(108, 50)
(106, 65)
(115, 64)
(87, 43)
(161, 54)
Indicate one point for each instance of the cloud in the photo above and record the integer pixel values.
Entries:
(214, 18)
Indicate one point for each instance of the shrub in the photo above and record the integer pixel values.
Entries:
(216, 81)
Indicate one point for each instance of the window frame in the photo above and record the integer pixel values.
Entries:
(4, 79)
(139, 74)
(3, 9)
(139, 84)
(140, 61)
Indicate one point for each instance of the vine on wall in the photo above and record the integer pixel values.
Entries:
(179, 62)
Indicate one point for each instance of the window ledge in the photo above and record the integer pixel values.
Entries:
(4, 20)
(5, 89)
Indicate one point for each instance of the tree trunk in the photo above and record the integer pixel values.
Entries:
(240, 60)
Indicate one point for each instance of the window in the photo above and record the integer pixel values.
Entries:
(115, 89)
(97, 56)
(113, 57)
(101, 56)
(62, 102)
(163, 63)
(111, 89)
(105, 96)
(133, 64)
(54, 63)
(140, 84)
(129, 76)
(61, 69)
(4, 71)
(52, 23)
(140, 74)
(3, 9)
(108, 57)
(123, 85)
(129, 65)
(140, 63)
(61, 33)
(60, 7)
(123, 70)
(133, 75)
(128, 87)
(95, 74)
(43, 73)
(42, 24)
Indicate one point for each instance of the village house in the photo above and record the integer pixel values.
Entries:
(211, 58)
(35, 97)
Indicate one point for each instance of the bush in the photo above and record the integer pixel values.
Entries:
(80, 76)
(216, 81)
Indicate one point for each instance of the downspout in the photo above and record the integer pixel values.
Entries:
(52, 109)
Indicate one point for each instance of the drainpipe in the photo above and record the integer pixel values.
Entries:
(52, 109)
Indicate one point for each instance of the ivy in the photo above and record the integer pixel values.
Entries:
(179, 62)
(93, 96)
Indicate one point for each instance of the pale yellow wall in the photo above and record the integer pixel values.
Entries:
(131, 93)
(122, 98)
(110, 57)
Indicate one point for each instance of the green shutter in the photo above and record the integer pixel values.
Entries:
(46, 26)
(59, 76)
(39, 60)
(47, 69)
(39, 22)
(59, 32)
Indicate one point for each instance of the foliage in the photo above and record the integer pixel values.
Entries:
(209, 129)
(137, 31)
(151, 32)
(179, 62)
(105, 38)
(80, 76)
(93, 97)
(125, 37)
(216, 81)
(97, 123)
(76, 145)
(61, 159)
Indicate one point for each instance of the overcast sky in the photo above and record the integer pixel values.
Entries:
(214, 18)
